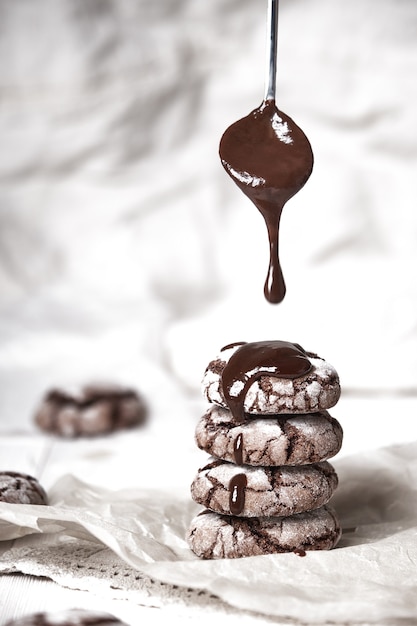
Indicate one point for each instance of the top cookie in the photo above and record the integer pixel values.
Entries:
(270, 378)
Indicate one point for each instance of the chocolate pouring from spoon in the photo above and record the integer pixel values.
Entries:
(270, 159)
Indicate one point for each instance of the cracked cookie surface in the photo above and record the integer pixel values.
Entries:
(18, 488)
(274, 440)
(318, 390)
(268, 491)
(214, 536)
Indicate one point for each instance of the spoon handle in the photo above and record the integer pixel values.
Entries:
(272, 35)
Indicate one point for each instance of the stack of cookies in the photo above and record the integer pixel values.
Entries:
(266, 487)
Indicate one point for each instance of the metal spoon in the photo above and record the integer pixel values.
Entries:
(269, 158)
(271, 57)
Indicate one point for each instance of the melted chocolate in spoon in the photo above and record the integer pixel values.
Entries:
(270, 159)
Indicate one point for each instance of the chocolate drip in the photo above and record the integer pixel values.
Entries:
(232, 345)
(238, 449)
(237, 491)
(211, 465)
(270, 159)
(251, 361)
(300, 552)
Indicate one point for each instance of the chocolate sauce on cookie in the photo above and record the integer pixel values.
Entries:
(251, 361)
(211, 465)
(270, 159)
(300, 552)
(232, 345)
(237, 491)
(238, 449)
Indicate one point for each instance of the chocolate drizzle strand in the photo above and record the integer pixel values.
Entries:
(251, 361)
(270, 159)
(238, 449)
(232, 345)
(237, 491)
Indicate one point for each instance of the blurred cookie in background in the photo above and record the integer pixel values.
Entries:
(19, 488)
(92, 409)
(72, 617)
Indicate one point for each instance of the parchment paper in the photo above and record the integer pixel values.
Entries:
(370, 576)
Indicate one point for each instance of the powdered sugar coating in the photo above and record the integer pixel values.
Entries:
(214, 536)
(72, 617)
(318, 390)
(270, 491)
(270, 441)
(17, 488)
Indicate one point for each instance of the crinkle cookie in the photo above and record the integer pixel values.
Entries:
(71, 617)
(18, 488)
(248, 491)
(90, 410)
(273, 440)
(314, 387)
(214, 536)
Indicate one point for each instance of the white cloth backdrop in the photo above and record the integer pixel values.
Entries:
(127, 254)
(125, 250)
